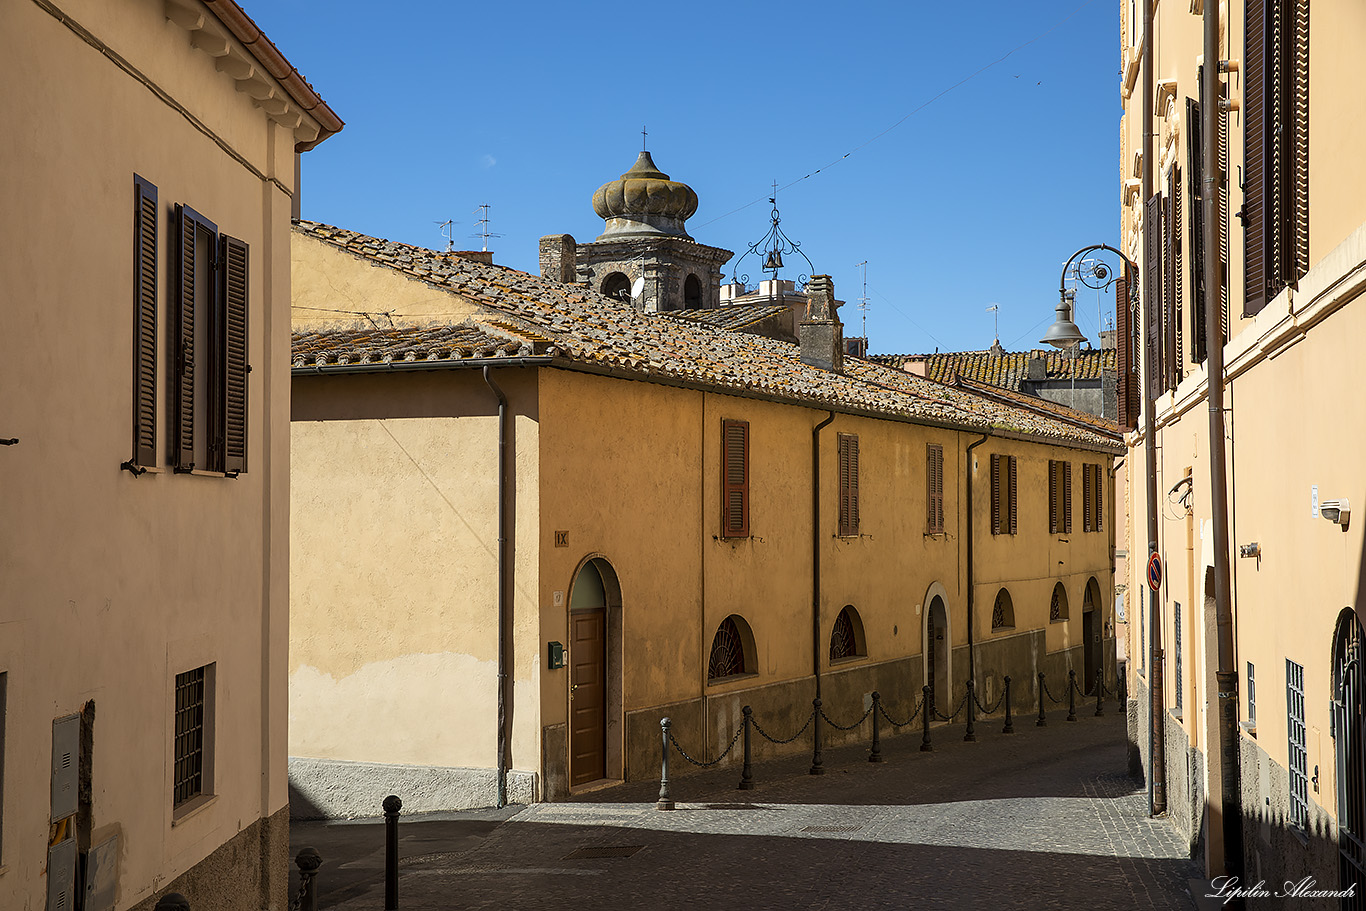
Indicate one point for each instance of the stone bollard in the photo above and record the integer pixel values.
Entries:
(1010, 724)
(817, 763)
(1043, 721)
(927, 708)
(666, 801)
(746, 775)
(391, 807)
(875, 754)
(1071, 695)
(308, 861)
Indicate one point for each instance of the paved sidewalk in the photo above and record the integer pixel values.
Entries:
(1040, 819)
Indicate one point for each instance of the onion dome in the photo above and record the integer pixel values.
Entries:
(644, 201)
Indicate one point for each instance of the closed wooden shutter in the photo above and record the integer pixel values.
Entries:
(1221, 220)
(1085, 496)
(734, 479)
(1196, 231)
(1176, 281)
(144, 322)
(1299, 120)
(1067, 497)
(849, 506)
(934, 478)
(1254, 156)
(1098, 486)
(187, 225)
(235, 271)
(1124, 352)
(995, 494)
(1014, 513)
(1152, 300)
(1052, 496)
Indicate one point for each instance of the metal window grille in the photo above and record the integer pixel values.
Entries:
(1251, 695)
(1299, 754)
(1176, 641)
(727, 652)
(1057, 607)
(189, 735)
(1003, 612)
(842, 641)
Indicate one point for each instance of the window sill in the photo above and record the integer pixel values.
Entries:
(192, 808)
(836, 662)
(942, 535)
(1002, 629)
(733, 678)
(1060, 620)
(1249, 728)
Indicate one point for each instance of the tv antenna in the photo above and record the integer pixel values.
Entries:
(863, 301)
(995, 311)
(483, 223)
(446, 232)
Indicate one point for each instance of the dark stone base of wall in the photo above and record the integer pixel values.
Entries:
(249, 872)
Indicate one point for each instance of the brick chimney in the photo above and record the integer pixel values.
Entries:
(821, 334)
(557, 258)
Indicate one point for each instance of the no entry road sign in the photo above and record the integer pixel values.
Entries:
(1155, 572)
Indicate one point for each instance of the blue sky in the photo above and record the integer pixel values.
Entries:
(976, 198)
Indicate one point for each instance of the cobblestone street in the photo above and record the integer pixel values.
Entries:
(1044, 818)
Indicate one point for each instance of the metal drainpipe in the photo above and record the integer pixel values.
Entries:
(502, 765)
(1157, 735)
(1227, 674)
(972, 588)
(816, 550)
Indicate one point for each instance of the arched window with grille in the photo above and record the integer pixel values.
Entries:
(846, 638)
(1057, 605)
(1003, 612)
(732, 650)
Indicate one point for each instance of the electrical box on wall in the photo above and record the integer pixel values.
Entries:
(556, 655)
(61, 876)
(66, 756)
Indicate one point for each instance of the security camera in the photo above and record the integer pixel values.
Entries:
(1336, 511)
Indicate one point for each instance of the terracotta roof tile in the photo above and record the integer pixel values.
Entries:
(577, 325)
(738, 317)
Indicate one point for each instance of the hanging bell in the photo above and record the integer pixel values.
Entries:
(773, 262)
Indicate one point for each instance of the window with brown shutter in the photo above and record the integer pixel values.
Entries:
(734, 479)
(1013, 491)
(144, 323)
(212, 278)
(1067, 498)
(1154, 371)
(1175, 281)
(1052, 497)
(934, 483)
(1098, 489)
(1086, 496)
(848, 449)
(995, 494)
(1195, 230)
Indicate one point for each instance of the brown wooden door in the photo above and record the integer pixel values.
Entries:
(587, 697)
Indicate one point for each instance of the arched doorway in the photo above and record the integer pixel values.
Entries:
(594, 672)
(1349, 683)
(1090, 635)
(938, 648)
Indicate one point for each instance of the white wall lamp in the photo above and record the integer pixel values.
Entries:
(1338, 512)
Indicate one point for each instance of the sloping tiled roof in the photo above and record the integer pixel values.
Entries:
(581, 327)
(1007, 369)
(1062, 412)
(729, 317)
(428, 343)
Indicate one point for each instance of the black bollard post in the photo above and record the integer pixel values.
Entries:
(928, 707)
(875, 755)
(1010, 725)
(1071, 695)
(1100, 693)
(971, 735)
(173, 901)
(391, 807)
(817, 763)
(746, 776)
(308, 862)
(1042, 722)
(665, 802)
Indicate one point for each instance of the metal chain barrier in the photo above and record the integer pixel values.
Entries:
(297, 901)
(919, 704)
(942, 717)
(987, 711)
(771, 739)
(1044, 681)
(847, 727)
(704, 765)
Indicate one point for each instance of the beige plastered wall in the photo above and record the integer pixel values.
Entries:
(112, 584)
(394, 555)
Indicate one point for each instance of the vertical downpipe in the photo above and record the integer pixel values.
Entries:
(816, 550)
(502, 765)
